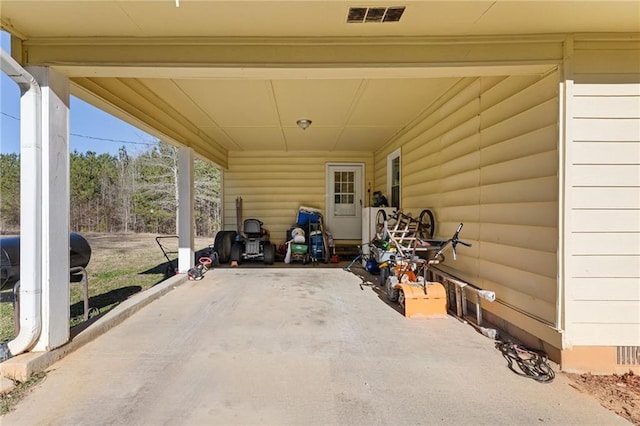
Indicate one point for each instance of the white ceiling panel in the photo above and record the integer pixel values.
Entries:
(353, 114)
(560, 16)
(310, 18)
(408, 96)
(221, 137)
(61, 19)
(325, 102)
(229, 18)
(257, 138)
(315, 138)
(364, 138)
(234, 103)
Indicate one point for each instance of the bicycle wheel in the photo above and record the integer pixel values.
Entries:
(426, 225)
(381, 225)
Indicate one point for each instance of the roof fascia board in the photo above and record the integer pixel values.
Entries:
(284, 41)
(286, 53)
(308, 73)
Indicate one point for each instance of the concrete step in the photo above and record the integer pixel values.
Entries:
(347, 251)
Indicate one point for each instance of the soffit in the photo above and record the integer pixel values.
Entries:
(325, 18)
(253, 106)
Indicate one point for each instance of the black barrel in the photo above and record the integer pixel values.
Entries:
(79, 251)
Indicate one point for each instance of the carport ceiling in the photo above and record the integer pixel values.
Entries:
(244, 109)
(346, 114)
(310, 18)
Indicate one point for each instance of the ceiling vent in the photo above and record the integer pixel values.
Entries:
(358, 15)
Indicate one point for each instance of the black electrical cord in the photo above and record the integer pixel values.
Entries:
(531, 364)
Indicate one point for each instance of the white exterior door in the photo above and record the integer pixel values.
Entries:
(344, 200)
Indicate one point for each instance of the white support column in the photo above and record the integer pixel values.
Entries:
(30, 207)
(55, 208)
(185, 210)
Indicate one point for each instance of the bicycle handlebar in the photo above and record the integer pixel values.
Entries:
(458, 230)
(442, 246)
(454, 241)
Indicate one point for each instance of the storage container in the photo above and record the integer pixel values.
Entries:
(317, 245)
(299, 248)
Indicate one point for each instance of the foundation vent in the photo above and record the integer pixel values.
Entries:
(358, 15)
(628, 355)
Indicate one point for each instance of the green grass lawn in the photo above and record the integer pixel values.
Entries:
(120, 266)
(106, 290)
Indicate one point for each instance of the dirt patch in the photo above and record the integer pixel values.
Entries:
(618, 393)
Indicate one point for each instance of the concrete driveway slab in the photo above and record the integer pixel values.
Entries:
(293, 347)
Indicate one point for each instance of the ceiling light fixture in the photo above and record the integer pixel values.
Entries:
(177, 3)
(303, 123)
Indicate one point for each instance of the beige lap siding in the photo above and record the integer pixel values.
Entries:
(603, 211)
(274, 184)
(486, 154)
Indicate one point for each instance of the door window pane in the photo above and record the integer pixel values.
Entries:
(344, 194)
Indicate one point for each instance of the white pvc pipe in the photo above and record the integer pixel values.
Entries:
(487, 295)
(30, 205)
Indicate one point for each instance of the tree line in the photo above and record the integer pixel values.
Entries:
(123, 192)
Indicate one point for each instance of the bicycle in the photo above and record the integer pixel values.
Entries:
(411, 272)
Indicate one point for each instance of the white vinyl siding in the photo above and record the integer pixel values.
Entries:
(486, 155)
(603, 206)
(273, 185)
